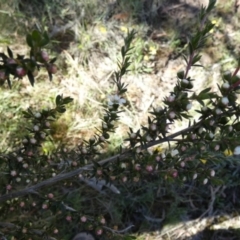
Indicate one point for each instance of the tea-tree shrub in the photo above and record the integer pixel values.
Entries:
(53, 197)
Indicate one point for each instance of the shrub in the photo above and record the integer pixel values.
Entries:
(44, 197)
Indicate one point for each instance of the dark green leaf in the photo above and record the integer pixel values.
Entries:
(9, 83)
(36, 37)
(203, 96)
(50, 76)
(45, 39)
(201, 102)
(191, 48)
(197, 65)
(26, 114)
(123, 51)
(53, 60)
(180, 74)
(30, 77)
(185, 115)
(211, 5)
(45, 36)
(67, 100)
(3, 56)
(10, 54)
(29, 40)
(196, 59)
(43, 43)
(205, 91)
(185, 58)
(61, 109)
(58, 100)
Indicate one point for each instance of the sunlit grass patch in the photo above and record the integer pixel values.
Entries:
(85, 75)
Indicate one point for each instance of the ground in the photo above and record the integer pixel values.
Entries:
(87, 54)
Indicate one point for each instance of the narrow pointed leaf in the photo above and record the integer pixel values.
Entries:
(30, 77)
(10, 54)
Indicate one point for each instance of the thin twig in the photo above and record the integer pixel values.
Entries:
(210, 205)
(118, 231)
(156, 220)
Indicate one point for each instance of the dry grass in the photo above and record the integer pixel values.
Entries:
(89, 86)
(85, 73)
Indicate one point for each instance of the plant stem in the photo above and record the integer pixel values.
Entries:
(189, 64)
(65, 176)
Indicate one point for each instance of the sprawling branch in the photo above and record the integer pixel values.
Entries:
(33, 189)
